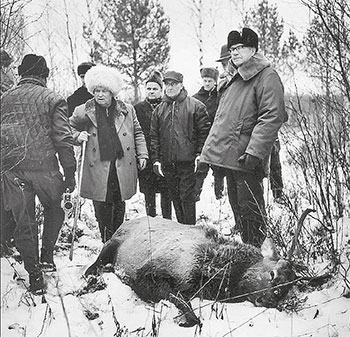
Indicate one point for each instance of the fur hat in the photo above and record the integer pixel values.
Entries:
(173, 75)
(84, 67)
(5, 59)
(33, 65)
(224, 54)
(156, 77)
(103, 76)
(210, 72)
(248, 37)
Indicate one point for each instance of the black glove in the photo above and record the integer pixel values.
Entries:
(69, 179)
(249, 161)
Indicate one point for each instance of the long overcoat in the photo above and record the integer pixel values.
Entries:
(250, 113)
(95, 171)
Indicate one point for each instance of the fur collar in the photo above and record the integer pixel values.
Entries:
(253, 66)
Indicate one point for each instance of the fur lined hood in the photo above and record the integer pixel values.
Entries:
(103, 76)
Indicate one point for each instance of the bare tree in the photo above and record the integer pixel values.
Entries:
(12, 26)
(203, 15)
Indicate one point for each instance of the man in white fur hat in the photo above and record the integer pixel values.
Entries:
(115, 149)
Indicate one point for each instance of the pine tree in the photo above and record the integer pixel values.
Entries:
(264, 19)
(134, 38)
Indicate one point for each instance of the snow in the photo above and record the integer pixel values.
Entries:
(62, 311)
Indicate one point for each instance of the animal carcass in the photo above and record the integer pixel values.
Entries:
(161, 258)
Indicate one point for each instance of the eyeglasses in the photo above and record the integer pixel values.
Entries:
(171, 84)
(238, 48)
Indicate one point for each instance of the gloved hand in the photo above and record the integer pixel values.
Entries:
(83, 137)
(69, 179)
(157, 169)
(249, 161)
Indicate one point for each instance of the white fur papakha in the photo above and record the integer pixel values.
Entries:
(103, 76)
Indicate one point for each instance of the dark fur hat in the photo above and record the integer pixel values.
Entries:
(33, 65)
(210, 72)
(248, 37)
(156, 77)
(84, 67)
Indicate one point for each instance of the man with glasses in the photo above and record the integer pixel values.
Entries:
(179, 127)
(250, 113)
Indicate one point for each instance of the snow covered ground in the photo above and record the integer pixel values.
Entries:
(116, 310)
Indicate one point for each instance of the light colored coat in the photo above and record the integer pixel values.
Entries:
(95, 171)
(250, 113)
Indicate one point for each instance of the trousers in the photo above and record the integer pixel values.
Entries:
(19, 190)
(246, 197)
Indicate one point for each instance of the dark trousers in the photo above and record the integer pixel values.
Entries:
(276, 181)
(8, 226)
(245, 192)
(201, 174)
(110, 213)
(181, 180)
(19, 190)
(165, 203)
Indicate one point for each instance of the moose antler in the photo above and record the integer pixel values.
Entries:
(297, 232)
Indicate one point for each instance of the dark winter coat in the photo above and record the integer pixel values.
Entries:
(79, 96)
(34, 128)
(250, 113)
(147, 178)
(95, 171)
(210, 100)
(178, 129)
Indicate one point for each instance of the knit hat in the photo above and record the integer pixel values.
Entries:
(156, 77)
(103, 76)
(173, 75)
(84, 67)
(33, 65)
(5, 59)
(210, 72)
(224, 54)
(248, 38)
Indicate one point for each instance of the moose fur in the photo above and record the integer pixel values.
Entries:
(161, 258)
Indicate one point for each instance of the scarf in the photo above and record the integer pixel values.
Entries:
(108, 139)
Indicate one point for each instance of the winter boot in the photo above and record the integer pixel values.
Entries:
(36, 283)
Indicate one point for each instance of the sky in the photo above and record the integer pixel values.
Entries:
(184, 54)
(184, 51)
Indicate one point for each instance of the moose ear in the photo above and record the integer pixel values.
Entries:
(269, 251)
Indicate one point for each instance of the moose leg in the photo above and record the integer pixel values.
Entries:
(107, 255)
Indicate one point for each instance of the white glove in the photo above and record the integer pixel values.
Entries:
(142, 164)
(83, 137)
(157, 169)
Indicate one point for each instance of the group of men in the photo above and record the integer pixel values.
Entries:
(230, 125)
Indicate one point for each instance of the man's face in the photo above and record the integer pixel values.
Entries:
(172, 88)
(240, 54)
(103, 96)
(153, 90)
(208, 83)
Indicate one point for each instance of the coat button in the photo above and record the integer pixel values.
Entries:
(128, 148)
(130, 163)
(94, 149)
(124, 134)
(94, 134)
(91, 165)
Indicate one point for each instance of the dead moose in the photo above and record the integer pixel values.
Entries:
(162, 259)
